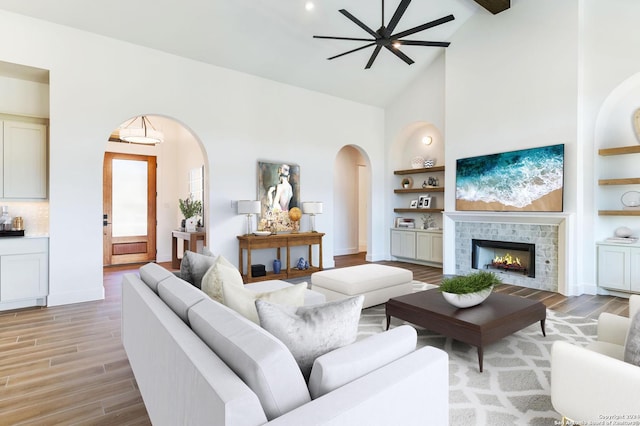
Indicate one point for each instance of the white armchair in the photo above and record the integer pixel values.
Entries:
(593, 382)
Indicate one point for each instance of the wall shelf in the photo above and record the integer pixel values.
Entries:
(421, 170)
(619, 212)
(419, 190)
(624, 181)
(410, 210)
(632, 149)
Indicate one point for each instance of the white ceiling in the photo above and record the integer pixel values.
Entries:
(268, 38)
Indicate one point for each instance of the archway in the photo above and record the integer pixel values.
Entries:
(181, 164)
(352, 194)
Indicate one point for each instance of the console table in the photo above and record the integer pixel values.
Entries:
(279, 241)
(190, 243)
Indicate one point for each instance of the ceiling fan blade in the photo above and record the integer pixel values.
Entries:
(351, 51)
(402, 7)
(423, 43)
(423, 27)
(399, 54)
(373, 56)
(359, 23)
(344, 38)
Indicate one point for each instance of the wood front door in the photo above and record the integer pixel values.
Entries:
(129, 220)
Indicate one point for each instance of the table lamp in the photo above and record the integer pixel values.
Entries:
(312, 208)
(248, 207)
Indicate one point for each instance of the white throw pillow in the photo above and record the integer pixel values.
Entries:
(243, 301)
(632, 344)
(220, 272)
(311, 331)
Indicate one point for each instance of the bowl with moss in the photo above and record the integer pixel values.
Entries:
(465, 291)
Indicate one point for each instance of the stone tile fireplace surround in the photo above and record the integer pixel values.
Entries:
(546, 231)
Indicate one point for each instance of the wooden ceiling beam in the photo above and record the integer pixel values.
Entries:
(495, 6)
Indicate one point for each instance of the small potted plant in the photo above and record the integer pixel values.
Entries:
(464, 291)
(190, 209)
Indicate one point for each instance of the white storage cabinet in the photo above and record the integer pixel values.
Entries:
(619, 267)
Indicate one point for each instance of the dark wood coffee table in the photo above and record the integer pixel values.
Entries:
(498, 316)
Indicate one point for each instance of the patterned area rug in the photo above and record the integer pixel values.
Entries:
(514, 388)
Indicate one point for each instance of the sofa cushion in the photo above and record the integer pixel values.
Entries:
(194, 265)
(632, 344)
(179, 295)
(243, 301)
(152, 273)
(259, 359)
(222, 271)
(343, 365)
(311, 331)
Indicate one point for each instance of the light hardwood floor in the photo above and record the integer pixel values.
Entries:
(66, 365)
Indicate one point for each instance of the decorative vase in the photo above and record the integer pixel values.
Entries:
(467, 300)
(191, 224)
(183, 224)
(277, 266)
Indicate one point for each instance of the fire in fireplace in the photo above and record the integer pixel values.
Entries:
(504, 256)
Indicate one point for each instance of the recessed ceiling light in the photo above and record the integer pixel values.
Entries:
(309, 6)
(427, 140)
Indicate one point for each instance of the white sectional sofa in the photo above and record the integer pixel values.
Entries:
(197, 362)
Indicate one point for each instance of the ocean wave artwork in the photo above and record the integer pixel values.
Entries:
(512, 180)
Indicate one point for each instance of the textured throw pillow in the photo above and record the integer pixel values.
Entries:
(632, 344)
(222, 271)
(311, 331)
(243, 301)
(194, 266)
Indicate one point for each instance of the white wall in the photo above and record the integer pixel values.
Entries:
(347, 201)
(22, 97)
(238, 118)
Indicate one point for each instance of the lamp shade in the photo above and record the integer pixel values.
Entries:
(312, 207)
(248, 207)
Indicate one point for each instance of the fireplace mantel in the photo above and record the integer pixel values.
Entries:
(508, 217)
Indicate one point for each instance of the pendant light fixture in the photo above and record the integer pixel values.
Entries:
(140, 130)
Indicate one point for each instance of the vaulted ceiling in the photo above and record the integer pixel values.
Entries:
(271, 38)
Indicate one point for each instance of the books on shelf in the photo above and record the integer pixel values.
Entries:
(404, 222)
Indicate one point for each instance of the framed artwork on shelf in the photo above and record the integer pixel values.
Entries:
(424, 202)
(413, 204)
(278, 191)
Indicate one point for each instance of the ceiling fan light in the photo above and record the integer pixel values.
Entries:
(397, 44)
(145, 134)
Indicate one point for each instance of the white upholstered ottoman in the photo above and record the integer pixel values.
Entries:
(378, 283)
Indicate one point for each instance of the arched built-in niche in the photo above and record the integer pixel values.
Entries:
(614, 128)
(351, 200)
(177, 156)
(417, 140)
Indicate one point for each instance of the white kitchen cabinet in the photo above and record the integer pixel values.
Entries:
(417, 245)
(619, 267)
(24, 160)
(24, 272)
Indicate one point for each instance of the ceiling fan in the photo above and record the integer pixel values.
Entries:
(384, 37)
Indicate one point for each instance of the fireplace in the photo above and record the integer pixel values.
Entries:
(504, 256)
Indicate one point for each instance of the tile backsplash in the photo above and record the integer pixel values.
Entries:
(35, 215)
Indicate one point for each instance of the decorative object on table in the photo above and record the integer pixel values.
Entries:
(190, 209)
(258, 270)
(523, 180)
(417, 162)
(428, 222)
(302, 264)
(413, 204)
(312, 208)
(277, 266)
(623, 232)
(424, 202)
(465, 291)
(278, 191)
(429, 163)
(407, 183)
(631, 200)
(295, 214)
(249, 208)
(262, 233)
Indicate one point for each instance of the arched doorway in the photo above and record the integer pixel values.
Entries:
(181, 173)
(352, 189)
